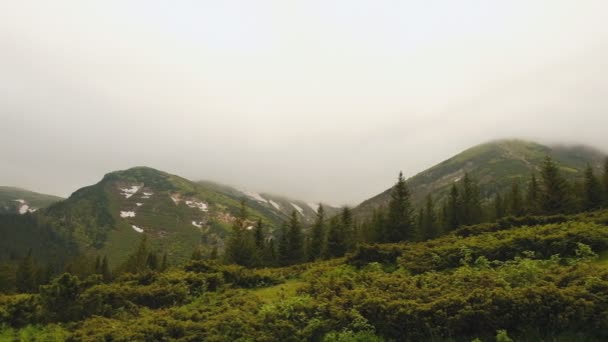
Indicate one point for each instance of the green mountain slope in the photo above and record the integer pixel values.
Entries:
(16, 200)
(494, 166)
(177, 215)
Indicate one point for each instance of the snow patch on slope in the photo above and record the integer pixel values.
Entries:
(139, 204)
(128, 192)
(197, 224)
(124, 214)
(20, 201)
(275, 204)
(298, 208)
(24, 208)
(202, 206)
(192, 203)
(137, 229)
(255, 196)
(313, 206)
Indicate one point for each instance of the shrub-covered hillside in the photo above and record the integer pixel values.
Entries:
(534, 279)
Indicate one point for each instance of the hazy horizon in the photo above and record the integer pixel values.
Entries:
(316, 100)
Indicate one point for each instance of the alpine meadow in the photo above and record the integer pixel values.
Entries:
(327, 171)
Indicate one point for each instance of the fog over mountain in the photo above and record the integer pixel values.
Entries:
(315, 100)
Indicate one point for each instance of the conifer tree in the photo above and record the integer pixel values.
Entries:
(592, 190)
(515, 200)
(105, 270)
(532, 196)
(378, 225)
(348, 228)
(152, 261)
(445, 215)
(137, 262)
(499, 208)
(471, 204)
(295, 240)
(336, 246)
(259, 235)
(283, 246)
(240, 246)
(270, 253)
(454, 211)
(316, 248)
(420, 223)
(606, 183)
(97, 265)
(554, 196)
(26, 274)
(165, 262)
(399, 225)
(430, 226)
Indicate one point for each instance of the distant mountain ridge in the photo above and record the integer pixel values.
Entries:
(17, 200)
(495, 166)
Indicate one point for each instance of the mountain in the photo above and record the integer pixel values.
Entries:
(276, 206)
(495, 166)
(177, 215)
(17, 200)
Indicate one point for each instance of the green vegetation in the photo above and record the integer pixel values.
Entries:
(525, 264)
(534, 280)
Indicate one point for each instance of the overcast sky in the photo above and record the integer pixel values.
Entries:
(316, 100)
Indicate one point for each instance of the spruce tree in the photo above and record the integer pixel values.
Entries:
(606, 183)
(105, 270)
(399, 221)
(471, 203)
(240, 246)
(283, 246)
(259, 235)
(295, 240)
(336, 244)
(152, 261)
(454, 211)
(97, 265)
(316, 248)
(592, 198)
(348, 228)
(270, 254)
(532, 196)
(378, 225)
(516, 207)
(420, 223)
(554, 196)
(499, 208)
(26, 274)
(137, 261)
(430, 225)
(165, 263)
